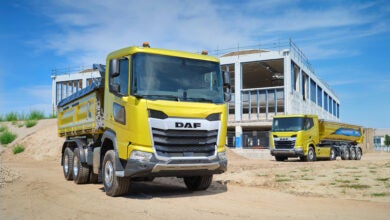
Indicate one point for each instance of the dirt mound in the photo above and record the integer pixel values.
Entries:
(41, 142)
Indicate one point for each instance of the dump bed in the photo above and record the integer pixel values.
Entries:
(81, 113)
(340, 132)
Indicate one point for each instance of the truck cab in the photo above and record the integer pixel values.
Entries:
(294, 136)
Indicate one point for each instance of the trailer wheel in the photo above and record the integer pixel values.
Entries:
(197, 183)
(311, 155)
(113, 185)
(67, 166)
(95, 178)
(332, 154)
(80, 170)
(352, 153)
(345, 154)
(358, 153)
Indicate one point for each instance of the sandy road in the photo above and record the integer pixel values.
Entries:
(42, 193)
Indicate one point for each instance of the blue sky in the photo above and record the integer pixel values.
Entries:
(347, 42)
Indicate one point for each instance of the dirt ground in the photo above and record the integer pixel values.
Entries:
(32, 186)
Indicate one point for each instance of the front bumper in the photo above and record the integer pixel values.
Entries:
(294, 152)
(177, 167)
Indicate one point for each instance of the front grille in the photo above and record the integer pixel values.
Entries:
(285, 144)
(184, 143)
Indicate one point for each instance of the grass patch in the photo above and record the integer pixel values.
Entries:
(36, 115)
(30, 123)
(12, 116)
(382, 179)
(7, 137)
(382, 194)
(18, 149)
(343, 181)
(355, 186)
(278, 180)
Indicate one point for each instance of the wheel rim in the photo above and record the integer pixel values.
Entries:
(66, 165)
(311, 154)
(75, 167)
(332, 154)
(108, 174)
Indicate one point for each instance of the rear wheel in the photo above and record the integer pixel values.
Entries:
(67, 166)
(358, 153)
(332, 154)
(80, 170)
(352, 153)
(197, 183)
(345, 154)
(113, 185)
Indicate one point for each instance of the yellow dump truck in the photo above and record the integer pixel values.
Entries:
(307, 137)
(153, 113)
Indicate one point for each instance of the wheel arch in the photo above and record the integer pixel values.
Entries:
(109, 142)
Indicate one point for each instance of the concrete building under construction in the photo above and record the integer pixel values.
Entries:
(271, 82)
(265, 82)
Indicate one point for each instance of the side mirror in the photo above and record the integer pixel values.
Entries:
(226, 86)
(115, 87)
(114, 68)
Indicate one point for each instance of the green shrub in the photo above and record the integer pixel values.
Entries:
(3, 128)
(1, 118)
(18, 149)
(36, 115)
(7, 137)
(12, 116)
(30, 123)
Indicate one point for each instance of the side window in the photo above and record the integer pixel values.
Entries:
(308, 123)
(119, 84)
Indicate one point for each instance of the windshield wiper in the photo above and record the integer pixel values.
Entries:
(200, 100)
(155, 97)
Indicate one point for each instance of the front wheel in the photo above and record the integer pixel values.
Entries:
(280, 158)
(197, 183)
(311, 155)
(113, 185)
(332, 154)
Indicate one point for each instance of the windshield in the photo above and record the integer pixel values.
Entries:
(287, 124)
(174, 78)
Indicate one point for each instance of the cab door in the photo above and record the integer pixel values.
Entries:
(116, 102)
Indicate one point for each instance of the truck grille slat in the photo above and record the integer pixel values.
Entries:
(284, 144)
(181, 143)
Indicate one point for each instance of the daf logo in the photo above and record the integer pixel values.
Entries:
(187, 125)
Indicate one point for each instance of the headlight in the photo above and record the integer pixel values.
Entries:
(141, 156)
(222, 156)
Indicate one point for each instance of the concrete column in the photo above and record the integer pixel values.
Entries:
(237, 93)
(238, 137)
(287, 83)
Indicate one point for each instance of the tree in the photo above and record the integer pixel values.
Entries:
(387, 140)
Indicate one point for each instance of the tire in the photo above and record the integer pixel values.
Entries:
(95, 178)
(198, 183)
(67, 166)
(80, 170)
(345, 154)
(332, 155)
(311, 155)
(352, 153)
(358, 153)
(113, 185)
(280, 158)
